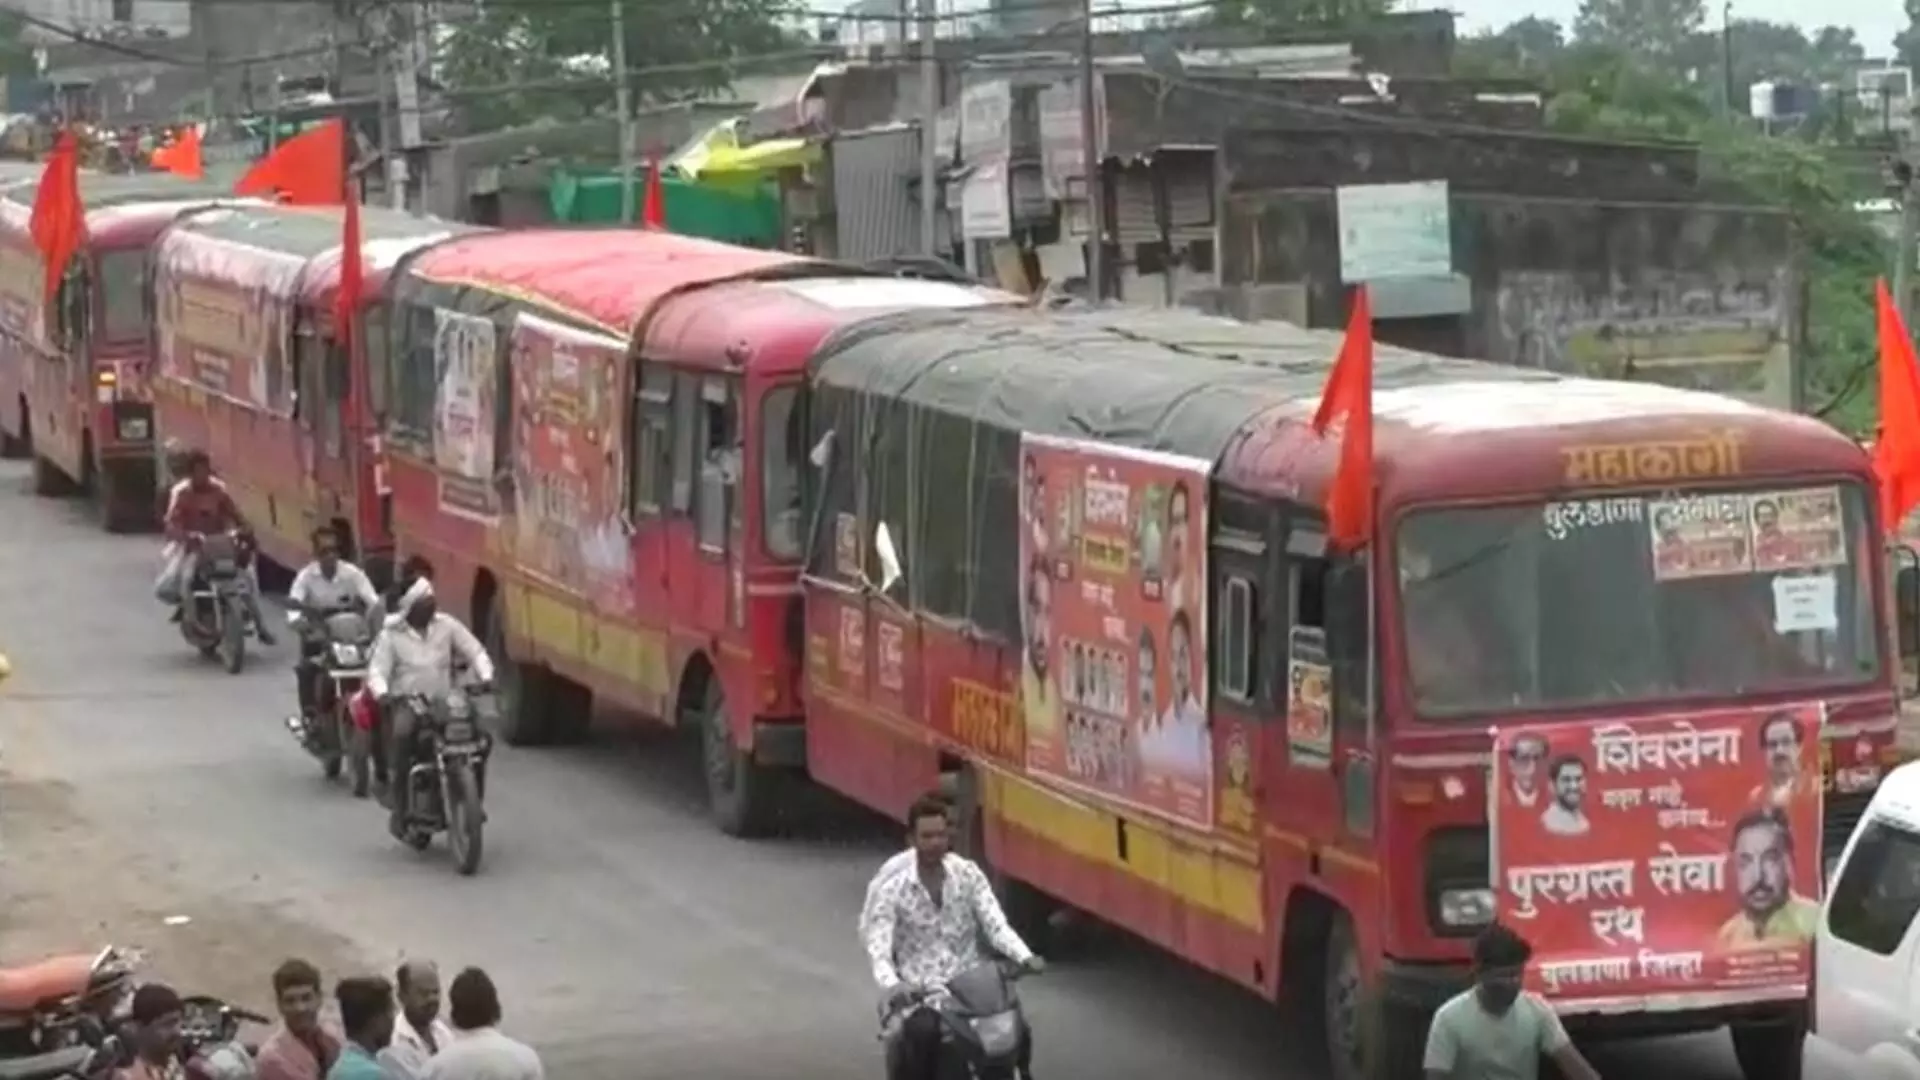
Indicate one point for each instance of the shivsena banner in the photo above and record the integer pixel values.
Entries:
(1113, 590)
(1656, 861)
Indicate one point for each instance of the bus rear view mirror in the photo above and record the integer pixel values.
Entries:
(1906, 594)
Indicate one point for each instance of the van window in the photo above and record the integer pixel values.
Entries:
(1878, 893)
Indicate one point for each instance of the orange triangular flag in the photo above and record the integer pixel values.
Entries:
(59, 222)
(346, 300)
(653, 211)
(1896, 452)
(182, 156)
(306, 170)
(1349, 395)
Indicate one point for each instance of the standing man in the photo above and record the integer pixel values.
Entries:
(419, 1033)
(1494, 1031)
(479, 1050)
(157, 1012)
(366, 1012)
(299, 1049)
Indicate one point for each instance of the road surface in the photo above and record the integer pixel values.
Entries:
(151, 800)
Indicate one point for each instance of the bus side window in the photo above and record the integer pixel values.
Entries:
(648, 443)
(716, 511)
(686, 456)
(1239, 634)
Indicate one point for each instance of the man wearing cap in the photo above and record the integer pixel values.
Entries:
(416, 656)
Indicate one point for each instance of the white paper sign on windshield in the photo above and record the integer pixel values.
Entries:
(1810, 602)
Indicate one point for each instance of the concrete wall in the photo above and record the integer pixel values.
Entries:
(1689, 295)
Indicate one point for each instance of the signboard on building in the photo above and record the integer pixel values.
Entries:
(1394, 231)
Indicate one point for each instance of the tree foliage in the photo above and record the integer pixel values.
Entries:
(505, 60)
(1661, 77)
(1299, 14)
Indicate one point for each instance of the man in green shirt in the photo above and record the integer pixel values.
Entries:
(366, 1012)
(1494, 1030)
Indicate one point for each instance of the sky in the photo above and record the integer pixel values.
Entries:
(1875, 21)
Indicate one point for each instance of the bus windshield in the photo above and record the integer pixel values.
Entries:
(1636, 598)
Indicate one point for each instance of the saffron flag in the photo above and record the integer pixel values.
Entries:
(653, 211)
(346, 301)
(306, 170)
(1896, 452)
(182, 156)
(59, 222)
(1349, 396)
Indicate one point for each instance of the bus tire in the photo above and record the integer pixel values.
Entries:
(1775, 1051)
(1366, 1037)
(741, 793)
(525, 690)
(48, 480)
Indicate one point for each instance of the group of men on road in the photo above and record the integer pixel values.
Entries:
(387, 1030)
(418, 648)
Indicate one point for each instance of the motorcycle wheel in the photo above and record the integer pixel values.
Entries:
(233, 641)
(464, 819)
(358, 756)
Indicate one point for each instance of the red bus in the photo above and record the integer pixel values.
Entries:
(251, 369)
(81, 405)
(607, 471)
(896, 535)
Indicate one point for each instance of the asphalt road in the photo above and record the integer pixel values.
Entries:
(150, 799)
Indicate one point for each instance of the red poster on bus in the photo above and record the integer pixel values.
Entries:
(1114, 613)
(566, 466)
(1661, 858)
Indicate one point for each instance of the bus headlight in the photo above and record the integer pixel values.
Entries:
(1464, 908)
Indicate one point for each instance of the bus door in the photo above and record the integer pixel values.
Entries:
(1249, 688)
(1321, 787)
(717, 465)
(683, 492)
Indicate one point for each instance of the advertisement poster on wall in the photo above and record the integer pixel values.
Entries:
(1661, 857)
(464, 360)
(566, 468)
(1113, 598)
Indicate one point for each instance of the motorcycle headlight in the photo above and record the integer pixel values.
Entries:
(346, 652)
(1462, 909)
(999, 1034)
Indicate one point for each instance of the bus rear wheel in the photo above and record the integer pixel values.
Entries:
(1367, 1037)
(1774, 1051)
(742, 794)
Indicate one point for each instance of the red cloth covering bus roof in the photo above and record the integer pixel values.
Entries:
(608, 277)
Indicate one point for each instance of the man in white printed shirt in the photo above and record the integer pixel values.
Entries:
(417, 656)
(926, 915)
(418, 1032)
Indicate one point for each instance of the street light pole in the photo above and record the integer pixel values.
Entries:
(623, 101)
(1090, 162)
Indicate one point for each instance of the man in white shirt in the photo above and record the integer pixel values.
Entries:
(916, 943)
(326, 585)
(478, 1050)
(416, 657)
(418, 1032)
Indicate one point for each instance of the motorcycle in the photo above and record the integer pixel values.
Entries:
(60, 1002)
(447, 783)
(982, 1026)
(330, 734)
(215, 616)
(210, 1039)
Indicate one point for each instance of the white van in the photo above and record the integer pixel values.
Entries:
(1866, 981)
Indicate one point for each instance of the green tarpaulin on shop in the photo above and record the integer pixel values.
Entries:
(747, 216)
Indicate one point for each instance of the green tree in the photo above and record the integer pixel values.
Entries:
(1300, 14)
(1655, 32)
(1532, 46)
(504, 61)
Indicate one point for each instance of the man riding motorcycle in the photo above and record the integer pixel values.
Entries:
(416, 656)
(324, 586)
(201, 508)
(917, 944)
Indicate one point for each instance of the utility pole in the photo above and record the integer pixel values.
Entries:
(623, 101)
(1095, 185)
(1905, 252)
(407, 94)
(383, 68)
(929, 120)
(1726, 58)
